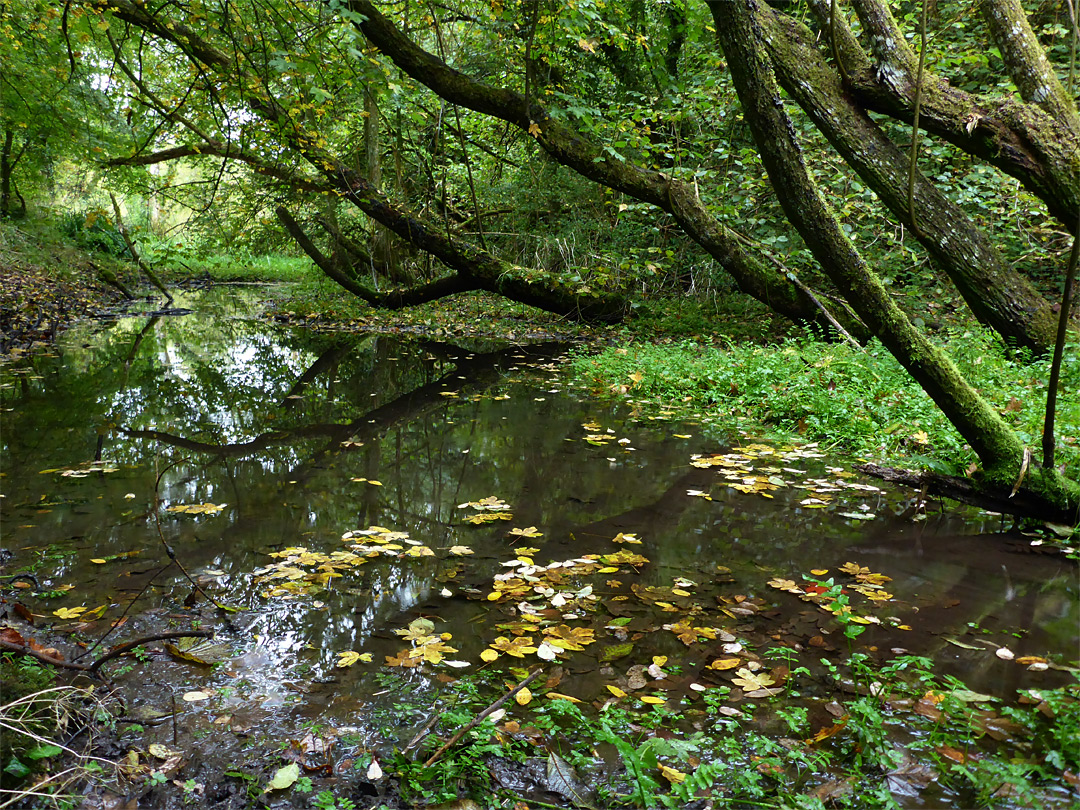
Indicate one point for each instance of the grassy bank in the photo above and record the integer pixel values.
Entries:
(859, 401)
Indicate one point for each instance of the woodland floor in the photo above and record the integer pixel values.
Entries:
(36, 304)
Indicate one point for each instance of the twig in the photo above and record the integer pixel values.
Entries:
(131, 645)
(115, 652)
(1023, 472)
(116, 622)
(424, 731)
(480, 717)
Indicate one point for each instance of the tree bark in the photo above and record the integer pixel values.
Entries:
(1039, 149)
(570, 148)
(999, 297)
(999, 449)
(1026, 60)
(394, 299)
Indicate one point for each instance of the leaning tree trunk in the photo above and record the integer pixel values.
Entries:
(475, 267)
(588, 158)
(1027, 141)
(997, 446)
(998, 296)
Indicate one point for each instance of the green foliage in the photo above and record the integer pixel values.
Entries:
(860, 400)
(94, 230)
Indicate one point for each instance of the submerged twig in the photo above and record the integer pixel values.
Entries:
(93, 668)
(480, 717)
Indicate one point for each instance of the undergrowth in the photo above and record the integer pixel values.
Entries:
(860, 401)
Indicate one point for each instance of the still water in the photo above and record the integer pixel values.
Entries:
(330, 490)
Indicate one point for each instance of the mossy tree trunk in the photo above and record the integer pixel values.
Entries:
(1035, 139)
(1002, 453)
(579, 152)
(473, 267)
(997, 294)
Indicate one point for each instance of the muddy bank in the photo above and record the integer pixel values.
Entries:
(37, 304)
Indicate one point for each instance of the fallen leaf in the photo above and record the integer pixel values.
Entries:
(751, 681)
(285, 777)
(725, 663)
(672, 775)
(348, 658)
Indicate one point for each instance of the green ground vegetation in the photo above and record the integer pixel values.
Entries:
(854, 399)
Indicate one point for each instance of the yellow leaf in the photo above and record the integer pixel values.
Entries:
(523, 697)
(659, 660)
(69, 613)
(651, 699)
(534, 130)
(672, 775)
(348, 658)
(518, 647)
(99, 561)
(725, 663)
(561, 696)
(569, 638)
(526, 532)
(752, 681)
(616, 691)
(819, 572)
(489, 655)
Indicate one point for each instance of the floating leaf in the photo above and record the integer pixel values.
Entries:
(725, 663)
(561, 696)
(751, 681)
(529, 531)
(569, 638)
(1027, 660)
(652, 699)
(614, 652)
(518, 647)
(788, 585)
(402, 659)
(348, 658)
(196, 696)
(523, 696)
(489, 655)
(547, 651)
(418, 630)
(69, 613)
(197, 508)
(616, 691)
